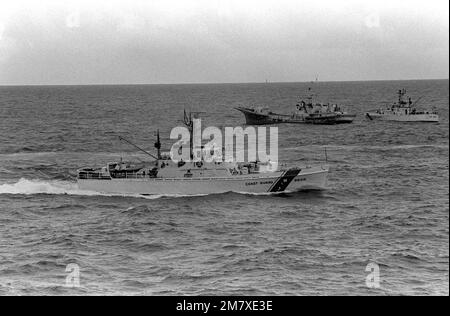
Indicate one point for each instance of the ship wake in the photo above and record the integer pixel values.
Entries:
(57, 187)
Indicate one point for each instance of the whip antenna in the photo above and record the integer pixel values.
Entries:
(139, 148)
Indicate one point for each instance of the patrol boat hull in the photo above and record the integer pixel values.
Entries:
(431, 118)
(290, 180)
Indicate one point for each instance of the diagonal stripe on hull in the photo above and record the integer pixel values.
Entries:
(284, 180)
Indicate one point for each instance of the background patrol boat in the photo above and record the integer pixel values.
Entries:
(403, 111)
(164, 176)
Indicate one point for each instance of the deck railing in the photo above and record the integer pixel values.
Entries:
(121, 175)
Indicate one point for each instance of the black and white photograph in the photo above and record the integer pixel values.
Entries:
(221, 155)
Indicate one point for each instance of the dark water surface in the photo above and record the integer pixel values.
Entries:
(387, 202)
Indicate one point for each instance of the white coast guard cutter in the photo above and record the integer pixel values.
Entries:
(164, 176)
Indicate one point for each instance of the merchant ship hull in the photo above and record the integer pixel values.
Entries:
(253, 117)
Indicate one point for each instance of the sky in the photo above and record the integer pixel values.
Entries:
(217, 41)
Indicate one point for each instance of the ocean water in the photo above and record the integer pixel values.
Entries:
(387, 201)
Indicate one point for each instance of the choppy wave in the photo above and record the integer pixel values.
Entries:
(319, 148)
(27, 154)
(367, 147)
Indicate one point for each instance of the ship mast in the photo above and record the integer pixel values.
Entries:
(401, 94)
(310, 96)
(158, 145)
(187, 120)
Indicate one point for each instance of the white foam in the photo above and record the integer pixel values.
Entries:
(29, 187)
(36, 186)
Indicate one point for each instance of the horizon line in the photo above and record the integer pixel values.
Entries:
(208, 83)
